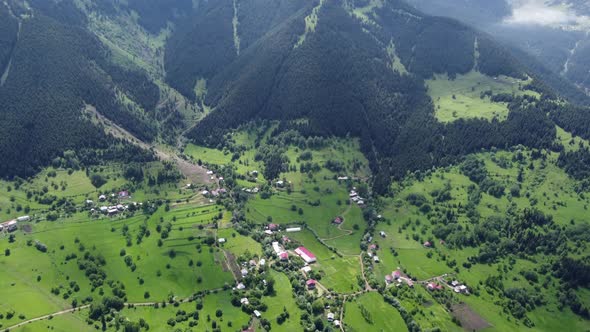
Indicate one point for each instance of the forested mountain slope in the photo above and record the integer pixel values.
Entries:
(56, 67)
(359, 68)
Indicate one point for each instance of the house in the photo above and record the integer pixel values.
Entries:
(89, 202)
(23, 219)
(461, 289)
(427, 244)
(352, 194)
(221, 240)
(355, 199)
(280, 183)
(455, 283)
(123, 194)
(382, 233)
(205, 192)
(254, 173)
(338, 220)
(120, 207)
(268, 232)
(255, 190)
(112, 210)
(262, 262)
(293, 229)
(373, 247)
(273, 227)
(306, 269)
(104, 209)
(244, 272)
(360, 202)
(330, 317)
(431, 286)
(370, 254)
(307, 256)
(102, 198)
(209, 172)
(396, 274)
(257, 313)
(310, 284)
(277, 248)
(241, 286)
(252, 262)
(388, 279)
(284, 256)
(337, 323)
(244, 300)
(375, 259)
(342, 178)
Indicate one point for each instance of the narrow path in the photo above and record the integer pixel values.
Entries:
(191, 171)
(67, 311)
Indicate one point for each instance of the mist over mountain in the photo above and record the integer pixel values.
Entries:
(556, 33)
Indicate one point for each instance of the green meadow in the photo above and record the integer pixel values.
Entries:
(460, 98)
(369, 312)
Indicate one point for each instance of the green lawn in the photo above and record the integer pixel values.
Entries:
(338, 273)
(369, 312)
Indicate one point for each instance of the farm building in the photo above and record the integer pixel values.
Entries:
(9, 226)
(382, 233)
(342, 178)
(306, 269)
(293, 229)
(23, 219)
(257, 313)
(307, 256)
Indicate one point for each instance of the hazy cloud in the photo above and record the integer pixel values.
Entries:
(539, 12)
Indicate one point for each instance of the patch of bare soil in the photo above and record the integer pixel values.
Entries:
(194, 173)
(27, 228)
(470, 320)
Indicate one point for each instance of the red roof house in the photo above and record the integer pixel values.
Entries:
(310, 284)
(338, 221)
(284, 256)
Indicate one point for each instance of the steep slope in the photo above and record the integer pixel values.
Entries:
(213, 36)
(347, 77)
(55, 70)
